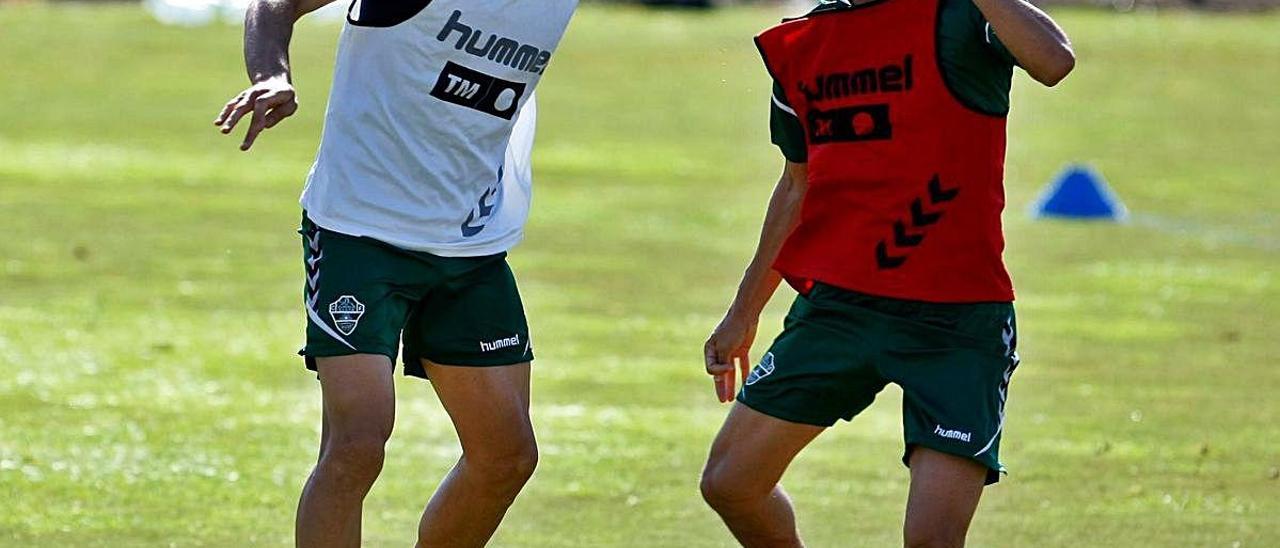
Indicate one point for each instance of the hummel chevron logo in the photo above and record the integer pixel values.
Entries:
(938, 195)
(903, 238)
(885, 260)
(482, 213)
(921, 218)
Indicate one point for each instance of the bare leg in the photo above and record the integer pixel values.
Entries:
(740, 481)
(945, 490)
(489, 407)
(354, 527)
(359, 411)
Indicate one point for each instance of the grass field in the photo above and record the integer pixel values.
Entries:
(150, 283)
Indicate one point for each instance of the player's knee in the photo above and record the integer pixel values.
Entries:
(523, 463)
(357, 459)
(721, 491)
(506, 470)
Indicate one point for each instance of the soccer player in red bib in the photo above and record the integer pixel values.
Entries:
(891, 116)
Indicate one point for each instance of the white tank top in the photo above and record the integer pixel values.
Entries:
(430, 124)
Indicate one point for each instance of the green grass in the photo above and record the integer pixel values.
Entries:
(150, 282)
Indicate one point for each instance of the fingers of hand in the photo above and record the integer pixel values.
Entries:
(711, 358)
(226, 110)
(256, 126)
(730, 386)
(717, 363)
(724, 387)
(241, 108)
(280, 113)
(725, 363)
(243, 105)
(720, 369)
(268, 111)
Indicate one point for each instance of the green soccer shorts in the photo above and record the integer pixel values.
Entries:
(362, 295)
(840, 348)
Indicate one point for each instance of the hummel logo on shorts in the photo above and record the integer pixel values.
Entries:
(500, 344)
(953, 434)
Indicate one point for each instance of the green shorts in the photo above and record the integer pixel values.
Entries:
(840, 348)
(362, 294)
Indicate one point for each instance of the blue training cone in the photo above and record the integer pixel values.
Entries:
(1079, 192)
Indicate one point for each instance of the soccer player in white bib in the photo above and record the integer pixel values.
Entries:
(420, 186)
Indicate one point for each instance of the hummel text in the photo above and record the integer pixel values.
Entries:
(499, 49)
(953, 434)
(500, 344)
(891, 78)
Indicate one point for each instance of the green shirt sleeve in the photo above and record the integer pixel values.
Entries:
(977, 66)
(994, 44)
(785, 128)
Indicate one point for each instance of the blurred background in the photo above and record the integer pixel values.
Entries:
(150, 288)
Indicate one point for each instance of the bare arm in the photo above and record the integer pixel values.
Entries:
(268, 28)
(727, 350)
(761, 280)
(1035, 40)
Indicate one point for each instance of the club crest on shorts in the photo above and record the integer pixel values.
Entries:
(764, 369)
(346, 313)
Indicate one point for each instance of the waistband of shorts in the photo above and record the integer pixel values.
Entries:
(308, 226)
(824, 292)
(973, 321)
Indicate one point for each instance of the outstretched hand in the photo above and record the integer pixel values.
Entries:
(270, 101)
(727, 354)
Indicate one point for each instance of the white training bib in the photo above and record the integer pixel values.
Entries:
(430, 124)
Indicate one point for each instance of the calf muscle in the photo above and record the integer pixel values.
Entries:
(489, 407)
(359, 412)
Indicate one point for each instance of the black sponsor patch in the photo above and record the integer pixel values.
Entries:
(479, 91)
(850, 124)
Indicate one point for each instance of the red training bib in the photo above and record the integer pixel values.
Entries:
(906, 183)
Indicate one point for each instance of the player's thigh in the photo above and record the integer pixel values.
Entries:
(753, 450)
(489, 407)
(357, 294)
(359, 398)
(816, 372)
(945, 490)
(953, 403)
(955, 388)
(477, 319)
